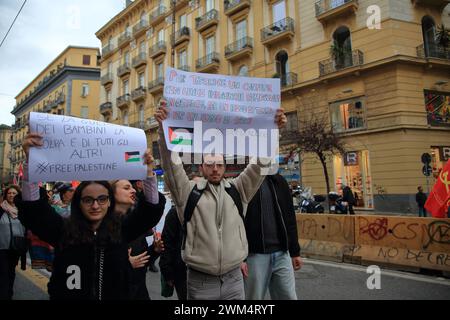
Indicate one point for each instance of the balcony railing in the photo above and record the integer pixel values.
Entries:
(123, 101)
(124, 69)
(347, 60)
(47, 107)
(157, 15)
(240, 47)
(157, 49)
(139, 94)
(107, 50)
(212, 59)
(107, 78)
(140, 60)
(337, 6)
(278, 30)
(433, 51)
(124, 38)
(140, 28)
(208, 19)
(183, 34)
(156, 85)
(106, 108)
(139, 124)
(233, 6)
(61, 98)
(185, 68)
(152, 123)
(288, 79)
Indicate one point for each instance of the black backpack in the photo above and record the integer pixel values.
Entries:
(193, 199)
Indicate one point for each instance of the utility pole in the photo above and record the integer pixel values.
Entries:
(172, 38)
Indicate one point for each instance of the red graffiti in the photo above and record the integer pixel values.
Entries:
(376, 230)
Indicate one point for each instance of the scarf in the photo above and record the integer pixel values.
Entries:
(12, 211)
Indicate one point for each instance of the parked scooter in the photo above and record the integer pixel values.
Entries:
(309, 203)
(337, 205)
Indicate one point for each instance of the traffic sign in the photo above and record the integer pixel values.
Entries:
(427, 170)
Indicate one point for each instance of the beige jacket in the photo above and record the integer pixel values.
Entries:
(216, 241)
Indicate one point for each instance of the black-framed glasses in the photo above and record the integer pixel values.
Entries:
(101, 200)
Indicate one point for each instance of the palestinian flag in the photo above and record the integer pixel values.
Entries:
(181, 136)
(132, 156)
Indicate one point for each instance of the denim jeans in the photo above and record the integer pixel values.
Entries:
(422, 212)
(272, 271)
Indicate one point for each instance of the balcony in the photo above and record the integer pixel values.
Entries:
(327, 10)
(349, 59)
(107, 50)
(106, 108)
(124, 39)
(210, 62)
(185, 68)
(140, 28)
(107, 79)
(139, 94)
(156, 85)
(288, 80)
(211, 18)
(139, 124)
(61, 98)
(238, 49)
(124, 69)
(123, 101)
(157, 15)
(234, 6)
(47, 108)
(280, 30)
(433, 51)
(152, 123)
(157, 49)
(180, 36)
(139, 60)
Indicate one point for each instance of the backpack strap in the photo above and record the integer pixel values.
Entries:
(234, 194)
(192, 201)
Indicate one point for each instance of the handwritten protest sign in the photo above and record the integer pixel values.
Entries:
(215, 113)
(83, 149)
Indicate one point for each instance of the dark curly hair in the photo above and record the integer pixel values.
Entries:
(78, 229)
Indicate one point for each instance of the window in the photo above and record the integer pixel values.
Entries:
(342, 48)
(141, 113)
(160, 35)
(241, 29)
(159, 70)
(85, 90)
(86, 60)
(183, 21)
(437, 105)
(84, 112)
(282, 66)
(279, 11)
(126, 87)
(348, 115)
(182, 58)
(142, 47)
(243, 71)
(142, 18)
(126, 58)
(110, 67)
(125, 117)
(336, 3)
(209, 5)
(141, 80)
(429, 35)
(108, 96)
(210, 45)
(60, 111)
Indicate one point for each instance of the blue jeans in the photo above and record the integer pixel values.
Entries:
(272, 271)
(422, 212)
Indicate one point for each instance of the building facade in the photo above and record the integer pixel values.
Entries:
(5, 148)
(377, 70)
(69, 85)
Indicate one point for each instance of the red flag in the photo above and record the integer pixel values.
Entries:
(14, 180)
(20, 174)
(439, 198)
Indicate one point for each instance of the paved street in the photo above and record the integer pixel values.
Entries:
(318, 280)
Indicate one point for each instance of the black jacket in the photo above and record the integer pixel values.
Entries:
(421, 198)
(347, 196)
(287, 222)
(171, 264)
(104, 270)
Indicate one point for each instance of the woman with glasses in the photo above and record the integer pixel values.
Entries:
(91, 246)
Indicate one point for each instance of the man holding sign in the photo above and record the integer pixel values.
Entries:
(212, 209)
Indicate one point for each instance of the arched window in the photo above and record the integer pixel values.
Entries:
(142, 17)
(141, 113)
(429, 35)
(125, 117)
(282, 66)
(243, 71)
(341, 50)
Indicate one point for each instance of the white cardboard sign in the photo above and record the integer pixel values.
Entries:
(84, 149)
(210, 110)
